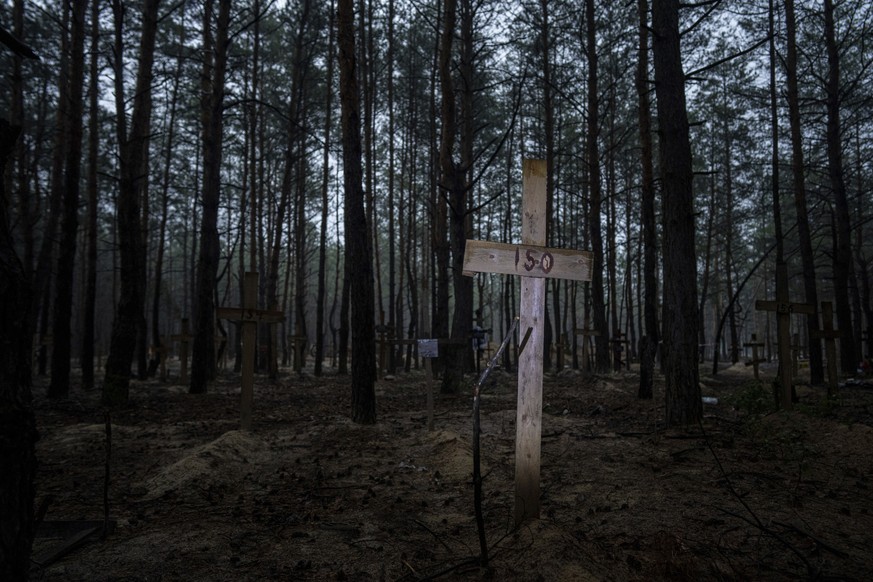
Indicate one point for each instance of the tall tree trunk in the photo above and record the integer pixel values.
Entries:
(129, 312)
(63, 306)
(215, 65)
(601, 341)
(683, 405)
(325, 209)
(18, 432)
(774, 137)
(165, 200)
(358, 257)
(86, 355)
(843, 268)
(816, 370)
(649, 343)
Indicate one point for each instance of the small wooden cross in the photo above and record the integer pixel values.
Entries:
(160, 351)
(249, 316)
(534, 263)
(298, 344)
(754, 344)
(618, 347)
(559, 347)
(784, 308)
(829, 335)
(184, 339)
(586, 333)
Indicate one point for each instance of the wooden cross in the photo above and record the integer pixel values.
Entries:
(618, 343)
(754, 344)
(160, 352)
(784, 308)
(184, 339)
(249, 316)
(586, 334)
(534, 263)
(865, 338)
(298, 343)
(559, 347)
(829, 335)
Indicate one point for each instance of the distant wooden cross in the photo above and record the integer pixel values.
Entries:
(160, 352)
(249, 316)
(298, 344)
(586, 333)
(534, 263)
(784, 308)
(829, 335)
(618, 348)
(184, 339)
(754, 344)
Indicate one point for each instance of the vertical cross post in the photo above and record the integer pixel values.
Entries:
(528, 420)
(829, 335)
(184, 339)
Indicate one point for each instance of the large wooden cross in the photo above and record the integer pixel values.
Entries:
(784, 308)
(534, 263)
(249, 316)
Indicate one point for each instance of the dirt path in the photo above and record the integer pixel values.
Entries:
(307, 495)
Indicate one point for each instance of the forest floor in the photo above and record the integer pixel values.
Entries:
(749, 494)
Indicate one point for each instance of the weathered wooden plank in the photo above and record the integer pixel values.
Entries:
(527, 260)
(252, 314)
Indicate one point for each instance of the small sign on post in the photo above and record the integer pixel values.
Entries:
(429, 349)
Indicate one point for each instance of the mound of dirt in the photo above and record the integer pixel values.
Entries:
(211, 466)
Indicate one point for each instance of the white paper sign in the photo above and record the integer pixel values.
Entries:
(428, 348)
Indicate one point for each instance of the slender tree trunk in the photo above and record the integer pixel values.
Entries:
(325, 208)
(129, 312)
(18, 433)
(843, 268)
(86, 355)
(683, 405)
(165, 199)
(649, 343)
(63, 306)
(601, 342)
(215, 64)
(358, 257)
(816, 370)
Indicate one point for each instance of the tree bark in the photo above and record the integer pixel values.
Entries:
(18, 432)
(215, 67)
(86, 356)
(358, 257)
(816, 369)
(649, 343)
(843, 267)
(601, 341)
(325, 207)
(63, 305)
(129, 312)
(683, 404)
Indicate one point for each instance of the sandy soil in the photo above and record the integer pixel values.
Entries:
(308, 495)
